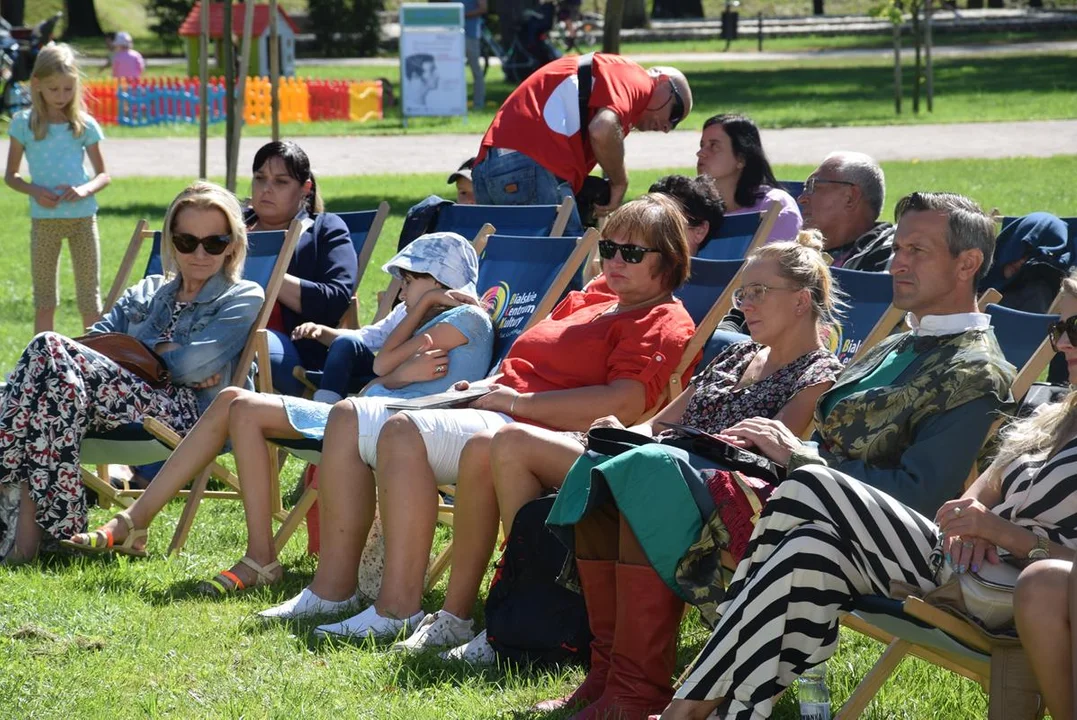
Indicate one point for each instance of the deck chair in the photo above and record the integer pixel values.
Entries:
(793, 187)
(268, 254)
(130, 256)
(871, 315)
(364, 227)
(739, 233)
(912, 627)
(479, 221)
(511, 270)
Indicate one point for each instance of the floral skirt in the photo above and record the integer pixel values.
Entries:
(60, 391)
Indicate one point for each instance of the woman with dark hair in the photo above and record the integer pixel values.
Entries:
(322, 276)
(731, 152)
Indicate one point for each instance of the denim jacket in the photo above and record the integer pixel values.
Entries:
(211, 331)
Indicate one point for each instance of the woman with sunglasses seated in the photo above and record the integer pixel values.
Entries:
(320, 280)
(595, 355)
(197, 317)
(825, 538)
(788, 297)
(443, 337)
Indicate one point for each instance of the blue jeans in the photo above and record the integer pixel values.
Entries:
(507, 177)
(283, 357)
(348, 366)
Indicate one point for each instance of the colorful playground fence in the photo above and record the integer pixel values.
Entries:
(176, 100)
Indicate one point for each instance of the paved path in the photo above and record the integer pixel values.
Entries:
(651, 58)
(366, 155)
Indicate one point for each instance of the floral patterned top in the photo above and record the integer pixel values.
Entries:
(716, 405)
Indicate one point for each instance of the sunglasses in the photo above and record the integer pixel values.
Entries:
(213, 244)
(1067, 327)
(631, 254)
(676, 113)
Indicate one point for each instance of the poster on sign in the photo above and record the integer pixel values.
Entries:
(432, 60)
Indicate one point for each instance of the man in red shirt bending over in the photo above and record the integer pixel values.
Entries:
(534, 152)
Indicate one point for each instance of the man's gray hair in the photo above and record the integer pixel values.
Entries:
(970, 228)
(861, 169)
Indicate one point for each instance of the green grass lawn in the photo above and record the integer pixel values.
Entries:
(808, 93)
(92, 638)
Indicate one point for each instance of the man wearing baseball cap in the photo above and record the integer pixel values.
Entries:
(465, 190)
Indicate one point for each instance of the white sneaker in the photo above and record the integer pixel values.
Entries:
(307, 605)
(439, 629)
(476, 652)
(368, 624)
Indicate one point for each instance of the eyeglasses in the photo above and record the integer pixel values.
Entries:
(631, 254)
(186, 243)
(753, 294)
(809, 185)
(1067, 327)
(676, 113)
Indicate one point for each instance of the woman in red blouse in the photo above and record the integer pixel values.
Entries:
(596, 355)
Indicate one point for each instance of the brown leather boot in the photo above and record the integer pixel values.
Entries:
(644, 648)
(598, 579)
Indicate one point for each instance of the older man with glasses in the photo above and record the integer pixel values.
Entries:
(568, 116)
(843, 199)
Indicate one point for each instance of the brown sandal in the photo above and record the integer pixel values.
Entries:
(227, 582)
(101, 541)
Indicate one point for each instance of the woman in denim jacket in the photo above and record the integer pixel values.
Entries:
(196, 317)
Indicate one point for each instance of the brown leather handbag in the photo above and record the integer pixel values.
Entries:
(130, 354)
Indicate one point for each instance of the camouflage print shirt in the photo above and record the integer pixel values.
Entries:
(915, 439)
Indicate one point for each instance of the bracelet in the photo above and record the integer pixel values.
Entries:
(512, 406)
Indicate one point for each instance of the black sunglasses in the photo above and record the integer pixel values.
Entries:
(631, 254)
(1067, 327)
(214, 244)
(676, 113)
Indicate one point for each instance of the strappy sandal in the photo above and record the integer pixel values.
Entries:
(101, 541)
(227, 582)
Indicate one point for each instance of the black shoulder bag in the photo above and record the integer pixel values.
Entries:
(595, 190)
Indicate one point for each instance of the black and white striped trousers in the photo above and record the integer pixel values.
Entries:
(822, 539)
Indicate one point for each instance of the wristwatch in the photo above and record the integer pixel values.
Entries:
(1041, 551)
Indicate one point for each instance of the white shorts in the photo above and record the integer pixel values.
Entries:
(371, 414)
(445, 432)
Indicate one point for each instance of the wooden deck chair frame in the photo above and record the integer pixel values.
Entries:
(350, 320)
(170, 439)
(306, 501)
(134, 247)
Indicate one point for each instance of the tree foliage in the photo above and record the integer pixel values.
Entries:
(359, 37)
(168, 15)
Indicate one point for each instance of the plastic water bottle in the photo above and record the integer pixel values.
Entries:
(814, 697)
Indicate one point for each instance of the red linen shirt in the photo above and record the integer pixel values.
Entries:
(541, 118)
(578, 346)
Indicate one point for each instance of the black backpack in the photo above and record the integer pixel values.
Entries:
(530, 618)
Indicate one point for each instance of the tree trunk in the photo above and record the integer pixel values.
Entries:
(635, 14)
(817, 7)
(80, 17)
(897, 70)
(917, 40)
(13, 11)
(929, 68)
(611, 29)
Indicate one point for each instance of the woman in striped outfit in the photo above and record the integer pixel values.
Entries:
(825, 538)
